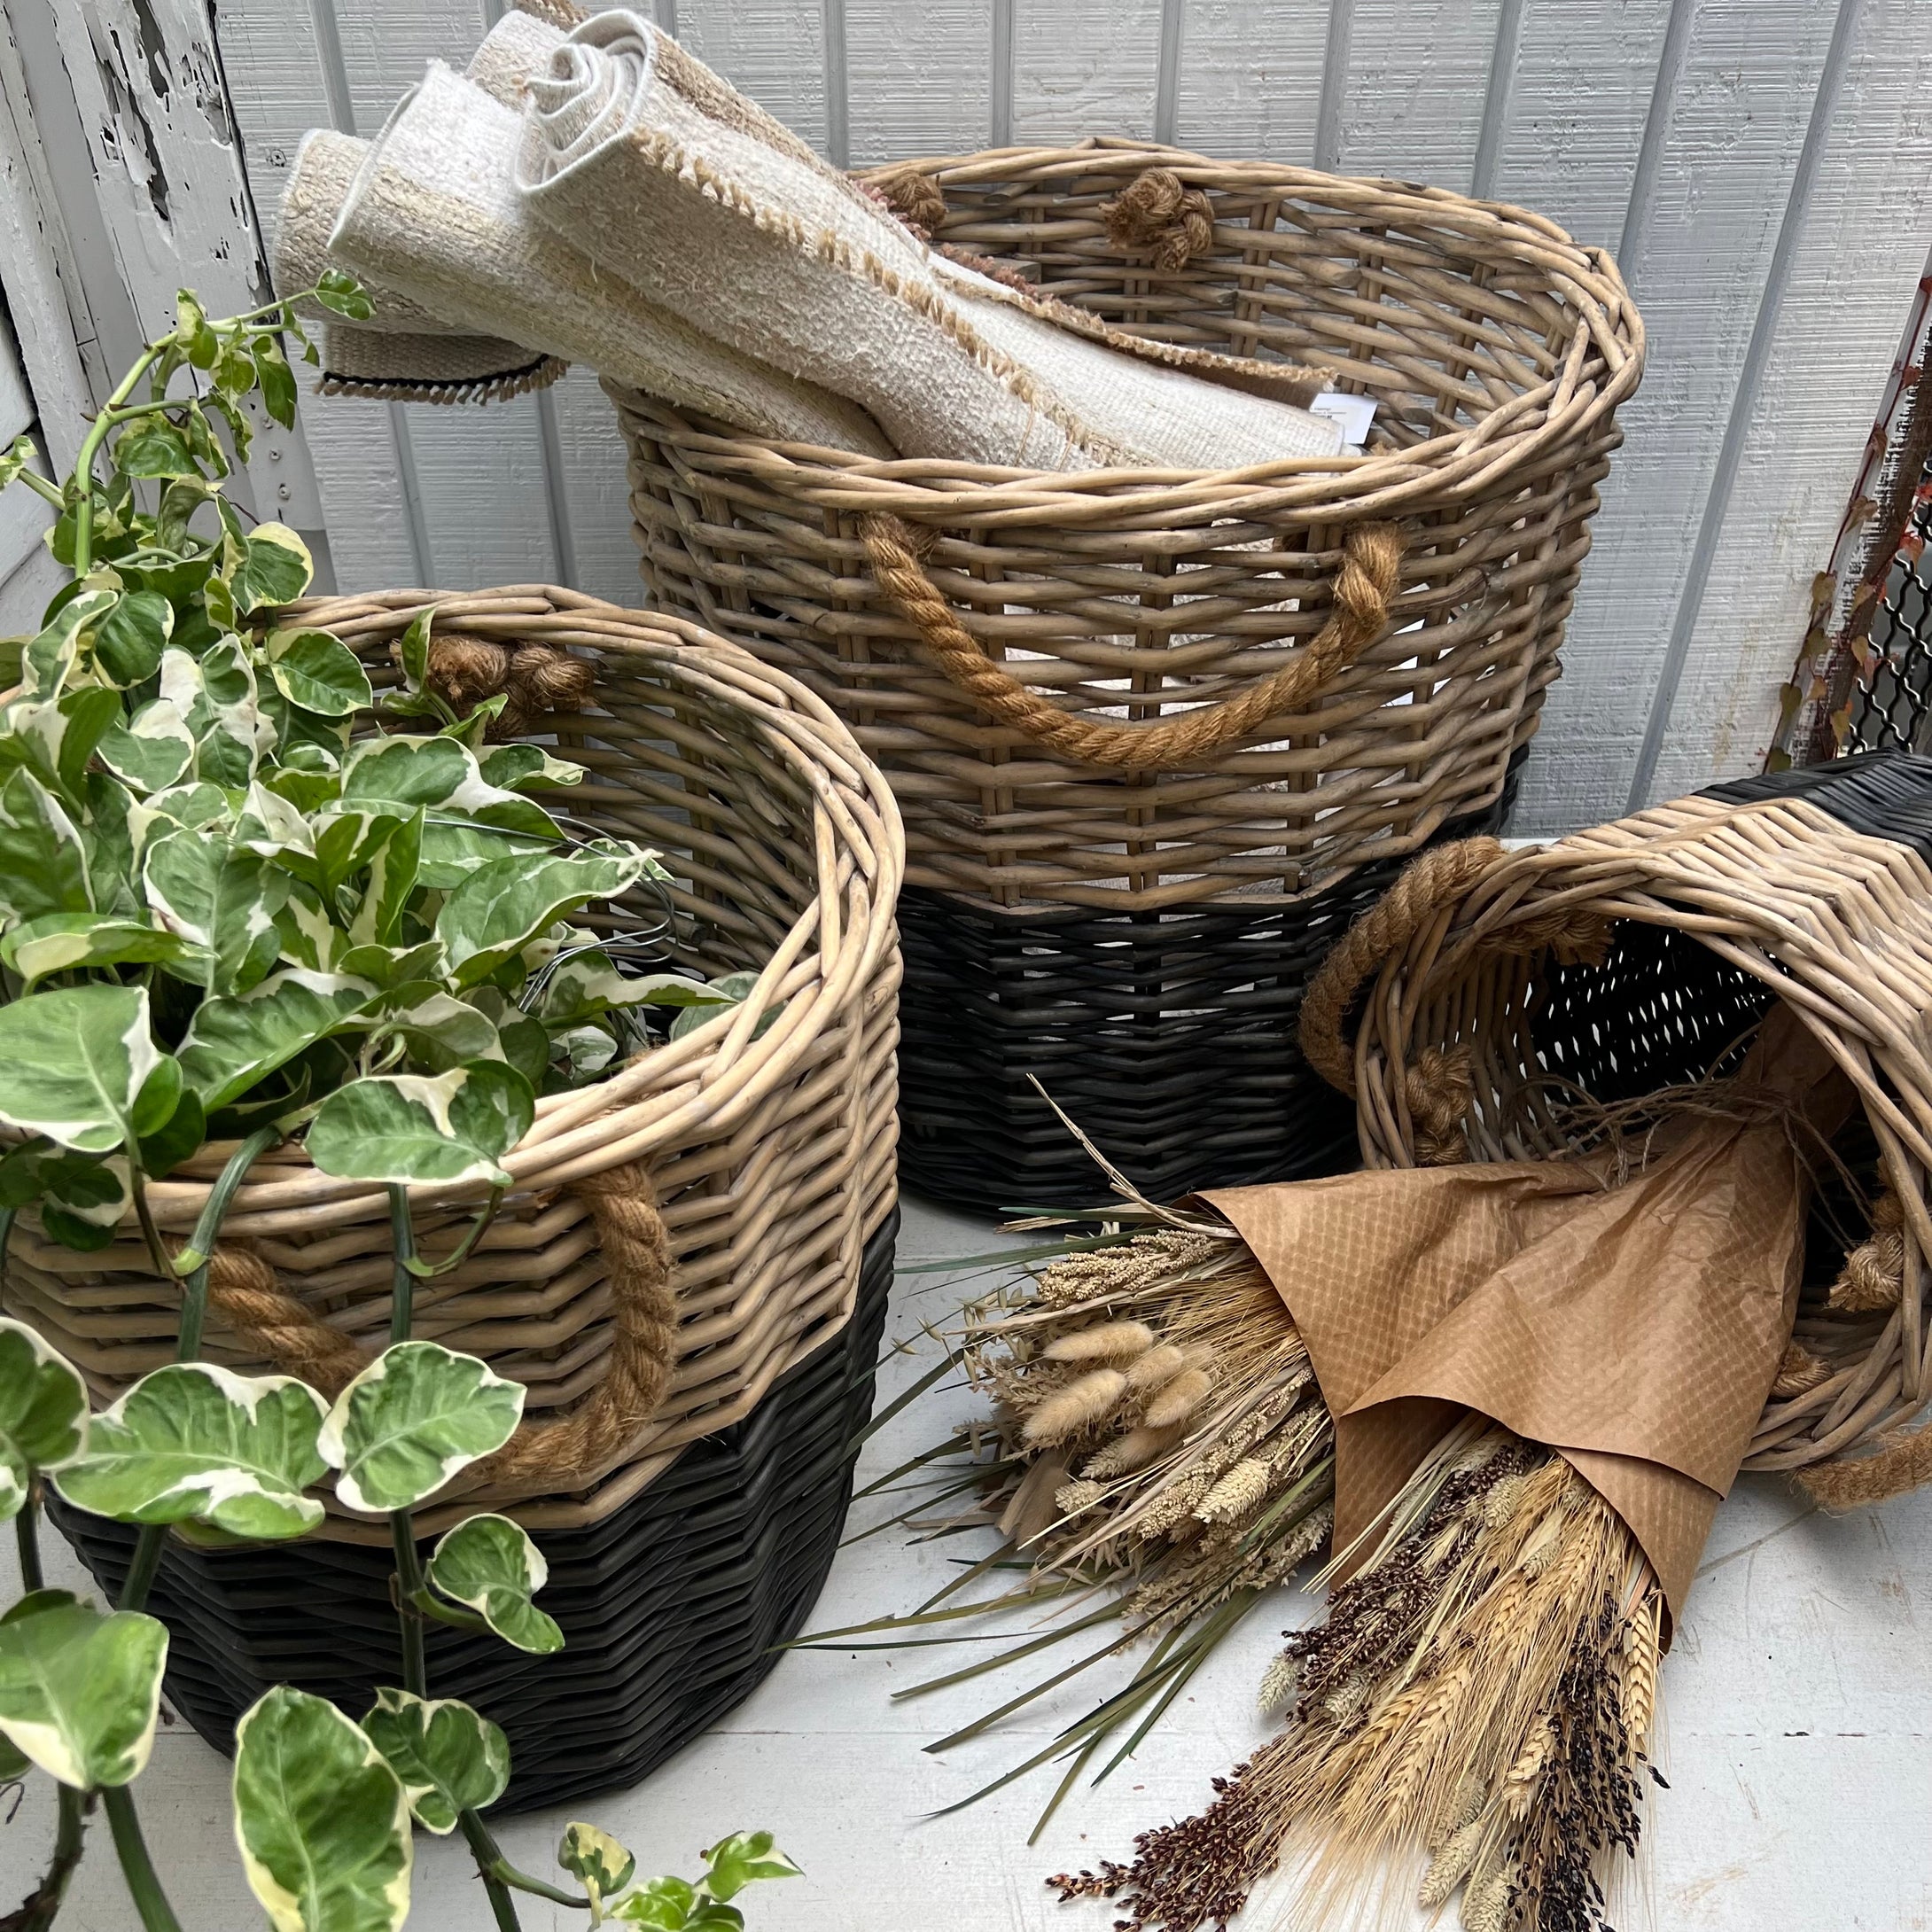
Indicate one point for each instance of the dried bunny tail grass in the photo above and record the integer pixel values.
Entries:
(1105, 1341)
(1179, 1398)
(1080, 1406)
(1158, 1366)
(1136, 1449)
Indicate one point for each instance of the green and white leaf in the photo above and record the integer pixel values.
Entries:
(502, 906)
(743, 1860)
(94, 1191)
(194, 1440)
(42, 1412)
(55, 737)
(60, 942)
(129, 640)
(233, 1042)
(48, 659)
(441, 775)
(516, 766)
(437, 1032)
(322, 1821)
(586, 983)
(597, 1861)
(448, 1757)
(222, 899)
(452, 850)
(393, 872)
(275, 566)
(317, 671)
(489, 1564)
(72, 1063)
(402, 1128)
(79, 1690)
(733, 989)
(215, 695)
(195, 806)
(415, 1417)
(153, 750)
(43, 865)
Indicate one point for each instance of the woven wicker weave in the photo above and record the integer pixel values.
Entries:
(671, 1606)
(1497, 351)
(1633, 957)
(772, 1157)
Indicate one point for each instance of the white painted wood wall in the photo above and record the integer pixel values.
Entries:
(1762, 168)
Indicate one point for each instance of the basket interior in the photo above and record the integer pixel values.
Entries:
(1435, 307)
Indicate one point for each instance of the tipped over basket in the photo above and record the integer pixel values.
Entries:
(1143, 724)
(687, 1445)
(1527, 1005)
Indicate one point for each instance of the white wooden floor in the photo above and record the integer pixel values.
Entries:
(1798, 1743)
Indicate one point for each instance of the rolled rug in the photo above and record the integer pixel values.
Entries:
(403, 353)
(636, 152)
(434, 215)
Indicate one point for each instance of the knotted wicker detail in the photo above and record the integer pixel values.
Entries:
(1364, 587)
(466, 671)
(1156, 211)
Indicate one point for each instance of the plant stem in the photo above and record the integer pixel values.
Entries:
(37, 1911)
(409, 1581)
(194, 1292)
(144, 1214)
(401, 1529)
(496, 1868)
(27, 1533)
(90, 447)
(157, 1915)
(141, 1568)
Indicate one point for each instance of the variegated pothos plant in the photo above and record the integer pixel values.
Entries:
(241, 900)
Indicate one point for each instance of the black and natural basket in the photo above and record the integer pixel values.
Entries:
(1155, 733)
(738, 1180)
(672, 1608)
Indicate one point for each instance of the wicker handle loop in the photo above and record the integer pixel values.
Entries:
(245, 1290)
(1364, 587)
(1435, 880)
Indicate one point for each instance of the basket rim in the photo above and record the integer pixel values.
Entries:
(829, 959)
(1601, 369)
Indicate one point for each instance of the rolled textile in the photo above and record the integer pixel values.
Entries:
(518, 46)
(638, 153)
(435, 214)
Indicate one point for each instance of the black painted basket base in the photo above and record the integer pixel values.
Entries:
(1169, 1038)
(671, 1606)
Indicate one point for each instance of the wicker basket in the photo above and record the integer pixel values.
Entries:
(1043, 663)
(744, 1523)
(1502, 987)
(770, 1158)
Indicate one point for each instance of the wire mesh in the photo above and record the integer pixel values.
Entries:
(1891, 697)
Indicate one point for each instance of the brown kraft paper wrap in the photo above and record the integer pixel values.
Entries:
(1635, 1326)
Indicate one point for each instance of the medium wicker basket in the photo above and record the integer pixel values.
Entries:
(1048, 667)
(1497, 991)
(769, 1152)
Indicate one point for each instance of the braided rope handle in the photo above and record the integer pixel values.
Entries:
(1433, 879)
(246, 1292)
(1364, 587)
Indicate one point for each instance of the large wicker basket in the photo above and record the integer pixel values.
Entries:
(769, 1153)
(1113, 626)
(1504, 999)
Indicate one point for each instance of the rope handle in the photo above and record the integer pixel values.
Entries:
(1432, 880)
(249, 1297)
(1364, 587)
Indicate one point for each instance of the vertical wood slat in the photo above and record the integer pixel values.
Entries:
(1724, 138)
(1085, 66)
(1825, 367)
(1411, 95)
(919, 79)
(1240, 93)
